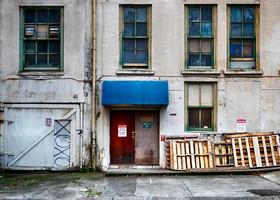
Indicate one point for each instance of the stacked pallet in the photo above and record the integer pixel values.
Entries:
(255, 150)
(190, 154)
(223, 155)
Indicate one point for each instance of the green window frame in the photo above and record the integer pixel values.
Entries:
(200, 106)
(135, 36)
(200, 37)
(242, 37)
(41, 38)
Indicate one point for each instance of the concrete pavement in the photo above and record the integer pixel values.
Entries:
(82, 186)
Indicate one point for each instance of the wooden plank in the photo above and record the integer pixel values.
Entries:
(265, 151)
(248, 152)
(196, 150)
(240, 135)
(241, 152)
(187, 149)
(201, 158)
(171, 154)
(205, 150)
(234, 152)
(192, 155)
(184, 157)
(224, 158)
(210, 154)
(179, 159)
(278, 146)
(257, 152)
(272, 150)
(175, 156)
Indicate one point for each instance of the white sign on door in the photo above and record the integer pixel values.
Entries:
(122, 131)
(241, 125)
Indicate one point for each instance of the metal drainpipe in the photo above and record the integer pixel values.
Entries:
(81, 133)
(93, 102)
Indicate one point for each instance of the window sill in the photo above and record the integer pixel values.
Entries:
(243, 73)
(135, 72)
(201, 72)
(41, 73)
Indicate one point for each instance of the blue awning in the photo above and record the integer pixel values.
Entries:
(145, 93)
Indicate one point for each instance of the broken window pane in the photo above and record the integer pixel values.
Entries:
(193, 116)
(194, 29)
(248, 30)
(236, 14)
(42, 16)
(206, 118)
(194, 14)
(206, 14)
(194, 60)
(141, 29)
(236, 49)
(206, 29)
(129, 14)
(194, 45)
(236, 29)
(141, 14)
(206, 60)
(29, 16)
(129, 29)
(248, 14)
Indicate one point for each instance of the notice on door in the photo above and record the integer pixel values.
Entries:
(241, 125)
(122, 131)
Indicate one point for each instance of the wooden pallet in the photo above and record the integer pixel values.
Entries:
(255, 151)
(223, 155)
(190, 154)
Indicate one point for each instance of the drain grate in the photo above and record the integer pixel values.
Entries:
(265, 192)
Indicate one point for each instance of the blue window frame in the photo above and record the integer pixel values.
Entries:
(242, 45)
(200, 37)
(41, 38)
(135, 36)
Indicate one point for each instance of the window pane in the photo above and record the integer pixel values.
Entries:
(141, 14)
(141, 56)
(54, 46)
(248, 29)
(206, 29)
(236, 14)
(128, 56)
(129, 29)
(29, 60)
(42, 46)
(30, 46)
(206, 14)
(141, 29)
(129, 14)
(248, 50)
(42, 59)
(193, 95)
(206, 60)
(194, 29)
(54, 60)
(42, 15)
(194, 60)
(194, 13)
(236, 29)
(42, 31)
(194, 45)
(54, 16)
(236, 49)
(30, 15)
(193, 116)
(206, 118)
(248, 14)
(206, 46)
(141, 44)
(206, 94)
(129, 44)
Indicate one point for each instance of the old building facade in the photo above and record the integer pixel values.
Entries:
(45, 84)
(183, 68)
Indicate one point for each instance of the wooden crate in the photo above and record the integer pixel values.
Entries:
(223, 155)
(255, 151)
(190, 154)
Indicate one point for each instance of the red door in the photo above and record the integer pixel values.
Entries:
(122, 139)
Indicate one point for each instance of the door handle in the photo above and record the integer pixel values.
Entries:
(133, 134)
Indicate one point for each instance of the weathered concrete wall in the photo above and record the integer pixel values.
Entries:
(69, 87)
(255, 98)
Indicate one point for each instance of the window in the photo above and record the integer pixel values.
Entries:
(200, 106)
(242, 40)
(200, 37)
(135, 37)
(41, 43)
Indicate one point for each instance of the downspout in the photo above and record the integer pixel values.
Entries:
(81, 133)
(93, 102)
